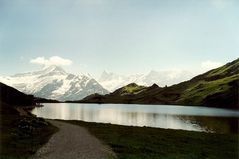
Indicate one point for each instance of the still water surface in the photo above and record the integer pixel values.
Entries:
(159, 116)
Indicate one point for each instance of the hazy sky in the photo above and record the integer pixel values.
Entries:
(122, 36)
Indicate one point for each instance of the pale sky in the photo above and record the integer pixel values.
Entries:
(121, 36)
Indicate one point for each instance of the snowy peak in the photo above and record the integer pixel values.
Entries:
(53, 70)
(55, 83)
(106, 76)
(47, 70)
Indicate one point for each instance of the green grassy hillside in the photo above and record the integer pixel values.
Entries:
(129, 89)
(218, 87)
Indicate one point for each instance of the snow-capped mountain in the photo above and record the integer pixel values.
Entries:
(165, 77)
(55, 83)
(112, 81)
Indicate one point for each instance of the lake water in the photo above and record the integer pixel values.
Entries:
(159, 116)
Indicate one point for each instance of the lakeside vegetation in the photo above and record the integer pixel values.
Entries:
(130, 142)
(22, 136)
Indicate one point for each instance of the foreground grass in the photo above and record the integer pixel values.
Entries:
(22, 136)
(151, 143)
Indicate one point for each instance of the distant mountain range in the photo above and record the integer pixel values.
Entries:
(112, 81)
(54, 83)
(216, 88)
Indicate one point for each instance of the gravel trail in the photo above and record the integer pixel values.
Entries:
(73, 142)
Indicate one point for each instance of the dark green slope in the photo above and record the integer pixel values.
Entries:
(12, 96)
(215, 88)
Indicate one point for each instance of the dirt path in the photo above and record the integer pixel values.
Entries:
(73, 142)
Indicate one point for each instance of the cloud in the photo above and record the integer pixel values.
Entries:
(54, 60)
(208, 65)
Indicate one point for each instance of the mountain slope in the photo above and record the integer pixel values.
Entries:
(218, 86)
(12, 96)
(54, 83)
(215, 88)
